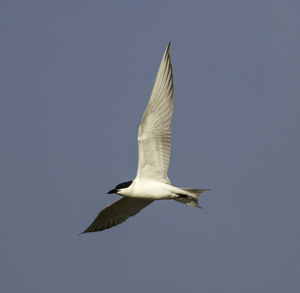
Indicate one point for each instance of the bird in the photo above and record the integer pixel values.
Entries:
(154, 138)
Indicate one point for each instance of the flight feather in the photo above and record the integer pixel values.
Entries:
(154, 134)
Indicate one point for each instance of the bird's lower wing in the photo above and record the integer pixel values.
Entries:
(117, 213)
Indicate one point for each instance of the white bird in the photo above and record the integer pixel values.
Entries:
(154, 138)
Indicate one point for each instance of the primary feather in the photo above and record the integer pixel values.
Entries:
(117, 213)
(154, 135)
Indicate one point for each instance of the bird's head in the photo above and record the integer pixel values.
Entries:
(119, 187)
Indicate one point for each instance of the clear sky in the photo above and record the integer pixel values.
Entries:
(75, 79)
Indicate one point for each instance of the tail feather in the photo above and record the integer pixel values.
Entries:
(193, 202)
(194, 191)
(189, 196)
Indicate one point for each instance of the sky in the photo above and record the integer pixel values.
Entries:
(75, 79)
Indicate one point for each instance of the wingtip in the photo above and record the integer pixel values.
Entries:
(87, 230)
(167, 51)
(168, 47)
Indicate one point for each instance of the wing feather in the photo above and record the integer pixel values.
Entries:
(154, 135)
(117, 213)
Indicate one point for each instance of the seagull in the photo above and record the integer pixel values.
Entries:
(154, 138)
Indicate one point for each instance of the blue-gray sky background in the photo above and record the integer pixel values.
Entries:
(75, 79)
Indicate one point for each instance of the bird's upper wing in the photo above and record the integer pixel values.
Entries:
(117, 213)
(154, 135)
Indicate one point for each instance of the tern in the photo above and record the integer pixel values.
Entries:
(154, 139)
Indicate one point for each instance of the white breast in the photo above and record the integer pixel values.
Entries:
(152, 189)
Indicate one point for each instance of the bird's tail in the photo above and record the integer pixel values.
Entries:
(189, 196)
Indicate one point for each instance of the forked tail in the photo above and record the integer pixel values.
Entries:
(189, 196)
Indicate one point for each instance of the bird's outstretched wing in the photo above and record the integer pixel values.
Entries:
(117, 213)
(154, 135)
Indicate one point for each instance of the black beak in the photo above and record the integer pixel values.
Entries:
(112, 191)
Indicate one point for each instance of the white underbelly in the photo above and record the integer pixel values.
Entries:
(153, 190)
